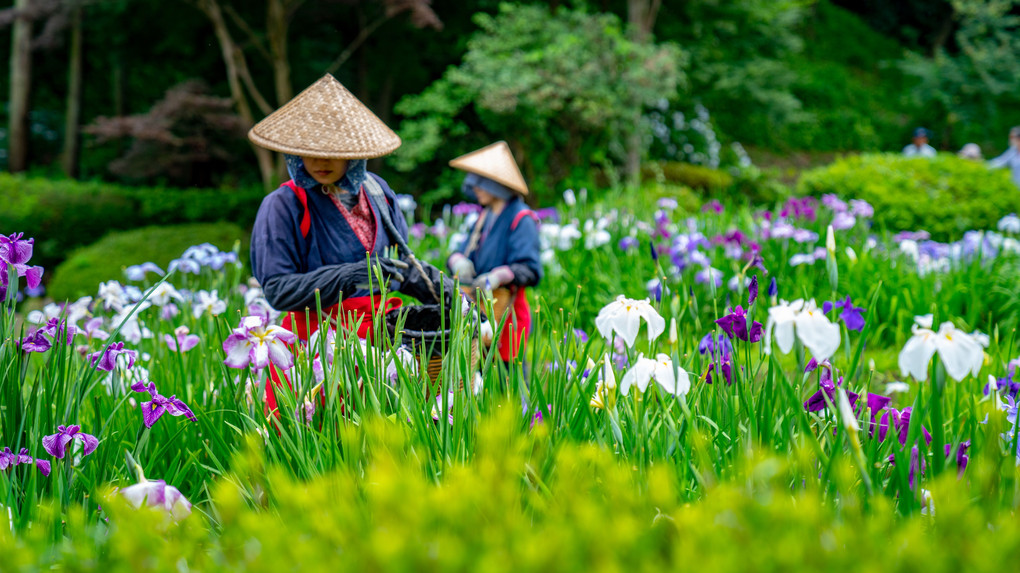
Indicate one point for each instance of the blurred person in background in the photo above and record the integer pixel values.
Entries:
(919, 146)
(1011, 157)
(971, 151)
(500, 257)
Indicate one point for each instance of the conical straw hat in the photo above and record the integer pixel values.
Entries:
(325, 121)
(495, 162)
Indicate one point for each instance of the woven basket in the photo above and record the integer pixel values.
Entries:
(422, 335)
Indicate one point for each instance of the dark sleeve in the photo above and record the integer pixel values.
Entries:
(277, 245)
(295, 292)
(523, 253)
(391, 200)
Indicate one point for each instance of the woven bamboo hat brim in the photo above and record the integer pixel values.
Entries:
(325, 121)
(495, 162)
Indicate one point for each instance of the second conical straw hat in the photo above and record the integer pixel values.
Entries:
(495, 162)
(325, 120)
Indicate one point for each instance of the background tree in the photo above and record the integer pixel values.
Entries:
(966, 89)
(564, 89)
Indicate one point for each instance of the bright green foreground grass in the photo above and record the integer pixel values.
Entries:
(523, 503)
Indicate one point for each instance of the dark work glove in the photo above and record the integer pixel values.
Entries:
(416, 284)
(297, 291)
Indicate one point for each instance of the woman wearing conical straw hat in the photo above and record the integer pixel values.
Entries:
(501, 254)
(318, 231)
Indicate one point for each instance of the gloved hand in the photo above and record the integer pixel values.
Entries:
(461, 267)
(416, 284)
(495, 278)
(383, 271)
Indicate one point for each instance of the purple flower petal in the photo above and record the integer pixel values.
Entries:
(151, 412)
(56, 444)
(752, 290)
(43, 466)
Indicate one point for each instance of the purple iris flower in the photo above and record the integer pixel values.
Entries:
(727, 371)
(159, 405)
(56, 444)
(961, 456)
(876, 403)
(628, 243)
(9, 459)
(181, 341)
(169, 311)
(803, 208)
(834, 203)
(850, 315)
(911, 236)
(549, 213)
(16, 251)
(827, 388)
(898, 421)
(36, 342)
(417, 231)
(1006, 386)
(715, 345)
(463, 208)
(735, 326)
(106, 360)
(58, 328)
(773, 288)
(861, 208)
(580, 336)
(713, 205)
(752, 291)
(94, 329)
(138, 272)
(256, 343)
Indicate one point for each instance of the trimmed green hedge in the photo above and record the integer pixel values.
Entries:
(106, 259)
(945, 196)
(64, 214)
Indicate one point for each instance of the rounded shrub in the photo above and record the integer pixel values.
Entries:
(945, 195)
(106, 259)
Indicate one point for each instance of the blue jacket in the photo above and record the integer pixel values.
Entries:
(278, 247)
(517, 249)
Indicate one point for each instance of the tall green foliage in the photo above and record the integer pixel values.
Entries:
(565, 89)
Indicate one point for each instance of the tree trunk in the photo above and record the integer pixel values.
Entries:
(21, 76)
(72, 124)
(231, 53)
(276, 30)
(641, 15)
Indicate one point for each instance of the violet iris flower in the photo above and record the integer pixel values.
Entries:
(713, 205)
(159, 405)
(752, 291)
(16, 251)
(181, 341)
(851, 315)
(773, 288)
(735, 326)
(106, 360)
(36, 342)
(155, 493)
(256, 343)
(9, 459)
(628, 243)
(464, 208)
(56, 444)
(713, 345)
(898, 421)
(961, 455)
(827, 388)
(727, 371)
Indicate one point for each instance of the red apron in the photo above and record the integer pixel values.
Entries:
(351, 310)
(518, 325)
